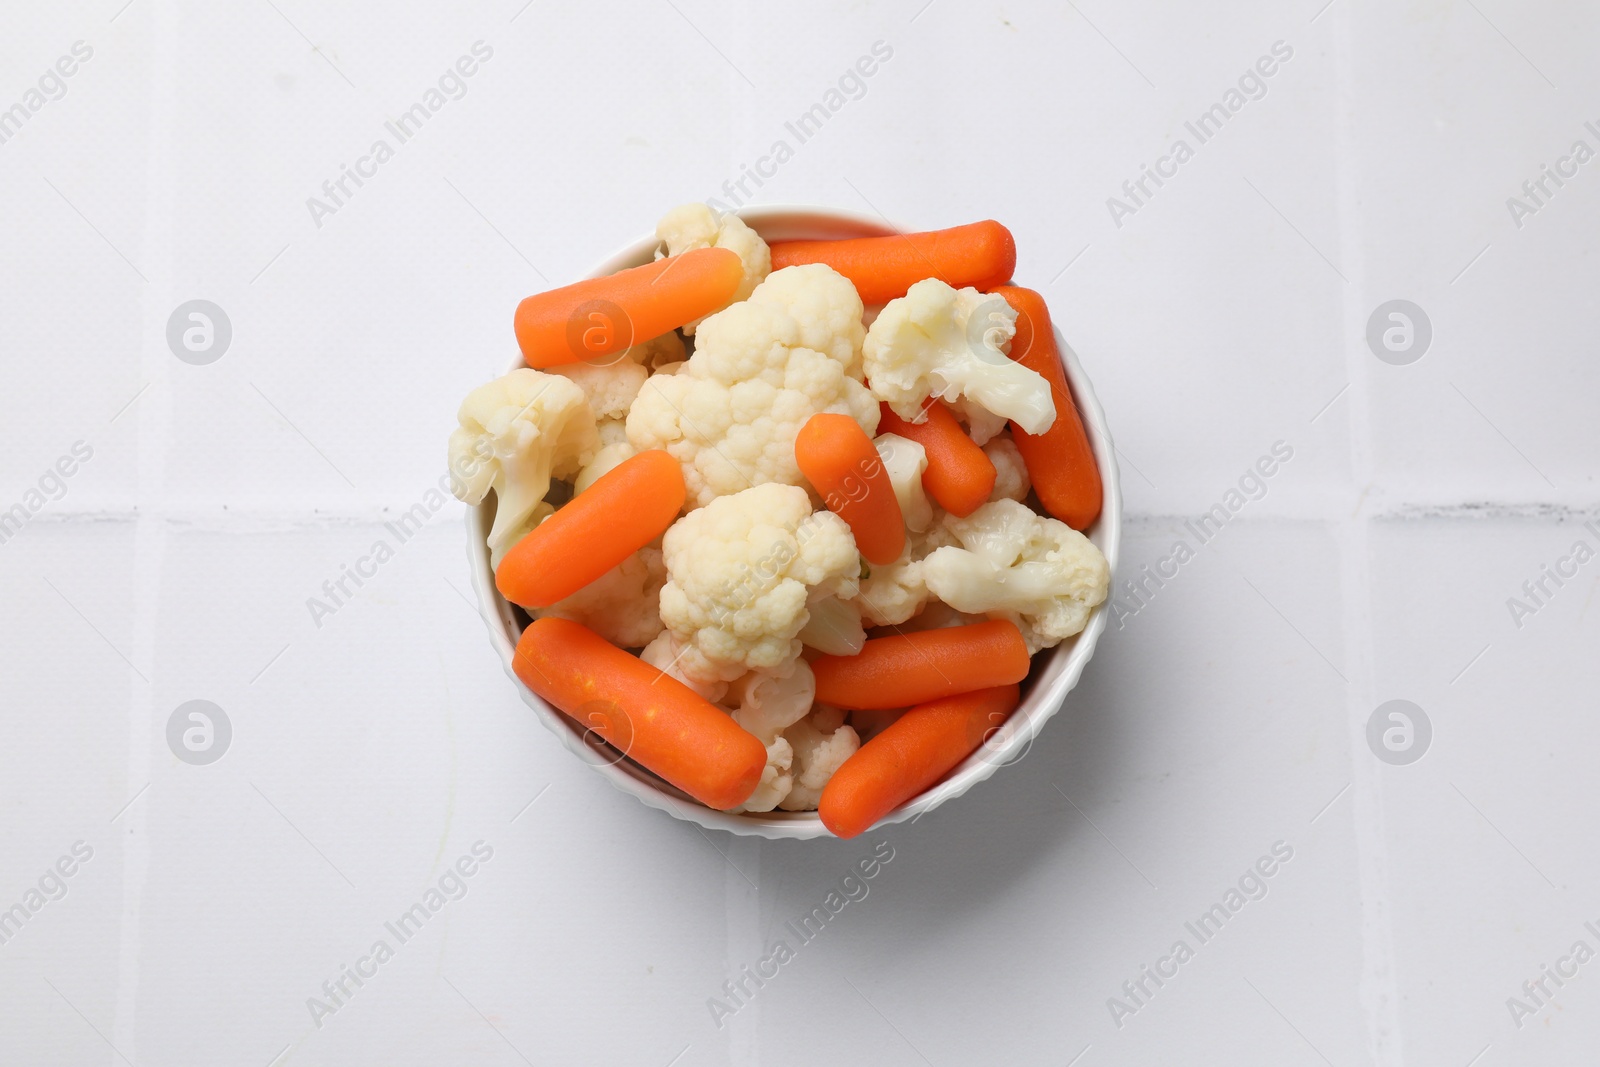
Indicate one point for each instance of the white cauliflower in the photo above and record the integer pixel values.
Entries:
(739, 574)
(610, 384)
(982, 425)
(604, 461)
(769, 702)
(904, 460)
(535, 426)
(937, 616)
(894, 593)
(827, 718)
(1014, 564)
(825, 305)
(891, 595)
(612, 432)
(834, 627)
(697, 226)
(665, 654)
(776, 779)
(731, 412)
(821, 743)
(614, 448)
(940, 341)
(1011, 473)
(622, 605)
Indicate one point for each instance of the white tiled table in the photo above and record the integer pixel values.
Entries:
(1227, 313)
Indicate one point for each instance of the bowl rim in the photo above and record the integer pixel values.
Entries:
(1055, 672)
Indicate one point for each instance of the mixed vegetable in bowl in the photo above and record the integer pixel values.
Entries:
(783, 548)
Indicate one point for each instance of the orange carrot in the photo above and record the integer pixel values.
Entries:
(625, 509)
(598, 316)
(959, 475)
(650, 717)
(980, 254)
(1060, 461)
(838, 458)
(893, 672)
(911, 754)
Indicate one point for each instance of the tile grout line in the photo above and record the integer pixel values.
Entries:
(1561, 507)
(149, 533)
(1378, 991)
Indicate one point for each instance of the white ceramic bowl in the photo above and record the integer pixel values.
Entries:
(1054, 672)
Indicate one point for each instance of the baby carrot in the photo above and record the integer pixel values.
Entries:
(625, 509)
(838, 458)
(598, 316)
(650, 717)
(980, 254)
(893, 672)
(959, 476)
(911, 754)
(1060, 461)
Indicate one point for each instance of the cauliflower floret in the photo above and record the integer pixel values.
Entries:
(799, 307)
(622, 605)
(904, 460)
(1011, 473)
(697, 226)
(739, 573)
(1014, 564)
(939, 341)
(769, 702)
(745, 342)
(731, 412)
(892, 594)
(776, 781)
(533, 426)
(828, 717)
(665, 654)
(604, 461)
(610, 387)
(825, 305)
(834, 627)
(612, 432)
(937, 616)
(821, 744)
(982, 425)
